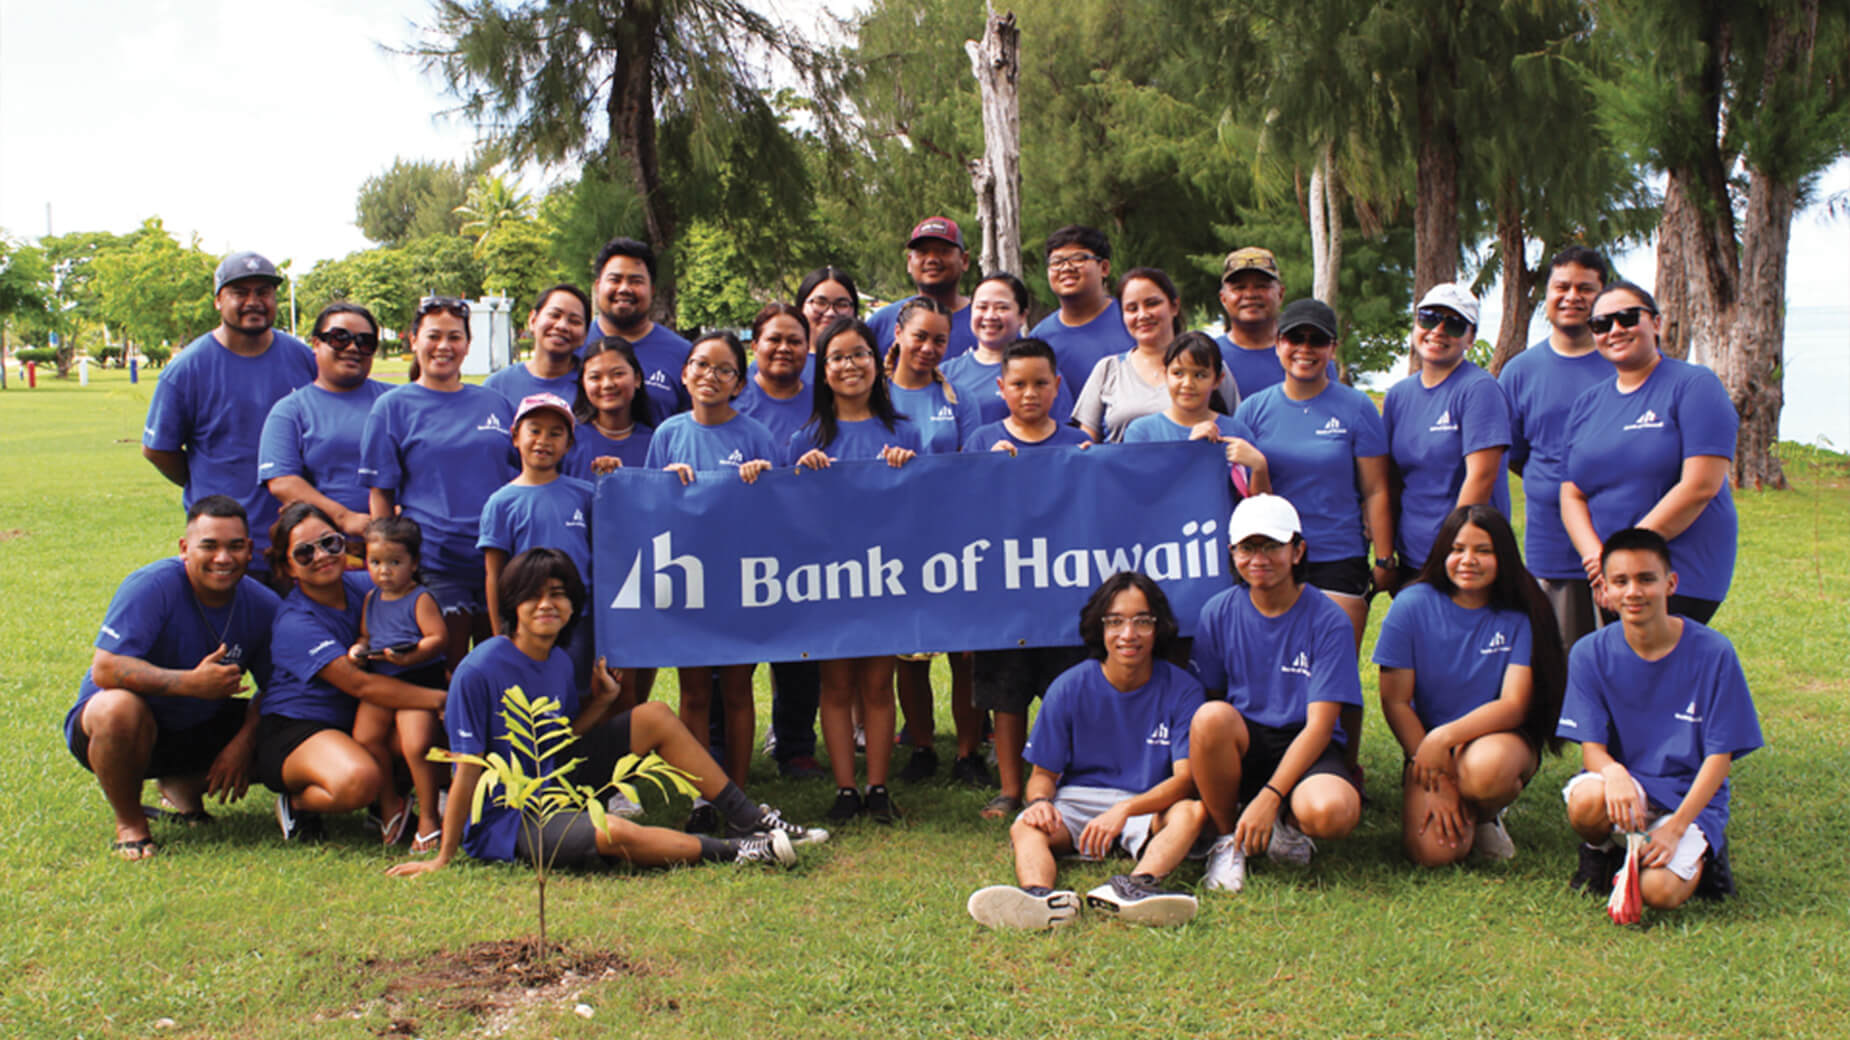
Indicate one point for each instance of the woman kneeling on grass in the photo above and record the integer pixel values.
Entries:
(541, 591)
(1471, 683)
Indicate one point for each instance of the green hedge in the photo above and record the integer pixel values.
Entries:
(42, 355)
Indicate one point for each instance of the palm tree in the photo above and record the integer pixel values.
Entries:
(492, 204)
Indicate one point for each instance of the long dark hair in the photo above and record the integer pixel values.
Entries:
(277, 555)
(822, 424)
(641, 411)
(1092, 615)
(1514, 589)
(829, 273)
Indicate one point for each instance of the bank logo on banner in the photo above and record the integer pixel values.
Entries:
(662, 559)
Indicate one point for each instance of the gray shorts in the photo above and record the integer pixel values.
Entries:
(1078, 806)
(567, 840)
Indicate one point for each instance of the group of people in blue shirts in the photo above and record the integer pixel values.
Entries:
(413, 550)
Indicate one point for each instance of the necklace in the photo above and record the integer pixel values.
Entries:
(615, 435)
(230, 611)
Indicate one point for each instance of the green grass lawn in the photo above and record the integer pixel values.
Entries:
(230, 933)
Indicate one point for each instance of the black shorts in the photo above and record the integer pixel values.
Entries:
(277, 738)
(1266, 750)
(1348, 577)
(1009, 680)
(178, 752)
(602, 747)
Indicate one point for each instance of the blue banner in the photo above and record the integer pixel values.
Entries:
(980, 551)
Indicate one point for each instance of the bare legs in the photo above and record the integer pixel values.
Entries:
(1491, 773)
(867, 681)
(1586, 813)
(735, 695)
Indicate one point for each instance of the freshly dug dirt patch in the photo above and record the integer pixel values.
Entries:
(487, 979)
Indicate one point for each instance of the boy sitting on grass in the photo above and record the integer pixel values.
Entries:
(1110, 756)
(1661, 710)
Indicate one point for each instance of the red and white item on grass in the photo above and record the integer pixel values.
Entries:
(1627, 903)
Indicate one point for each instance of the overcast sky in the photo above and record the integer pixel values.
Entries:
(253, 124)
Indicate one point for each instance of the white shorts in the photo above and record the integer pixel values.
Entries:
(1686, 859)
(1078, 806)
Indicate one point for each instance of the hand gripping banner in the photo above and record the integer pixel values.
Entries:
(980, 551)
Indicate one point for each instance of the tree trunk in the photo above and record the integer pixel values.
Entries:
(1435, 214)
(1326, 228)
(996, 64)
(1519, 280)
(630, 118)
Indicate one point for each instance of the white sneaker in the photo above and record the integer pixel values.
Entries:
(1226, 865)
(619, 804)
(1289, 845)
(1007, 906)
(771, 847)
(772, 820)
(1134, 899)
(1492, 841)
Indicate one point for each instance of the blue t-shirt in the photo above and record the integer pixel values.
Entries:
(1430, 431)
(978, 381)
(1625, 451)
(883, 323)
(1457, 654)
(1660, 719)
(1079, 348)
(393, 622)
(1310, 450)
(942, 423)
(154, 616)
(1095, 735)
(1157, 428)
(782, 418)
(315, 434)
(861, 439)
(555, 515)
(729, 445)
(515, 382)
(662, 354)
(211, 404)
(1273, 668)
(1255, 370)
(985, 437)
(442, 454)
(308, 638)
(472, 719)
(589, 444)
(1542, 387)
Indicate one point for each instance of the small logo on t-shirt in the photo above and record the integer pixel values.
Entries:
(465, 734)
(1159, 736)
(1300, 665)
(233, 654)
(1444, 424)
(945, 414)
(737, 458)
(577, 520)
(493, 422)
(1333, 428)
(1688, 714)
(659, 379)
(318, 647)
(1497, 645)
(1647, 421)
(111, 633)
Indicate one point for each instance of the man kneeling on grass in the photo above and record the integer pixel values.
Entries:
(1661, 710)
(1110, 757)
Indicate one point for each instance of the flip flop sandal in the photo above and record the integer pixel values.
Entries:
(134, 850)
(427, 842)
(393, 830)
(166, 811)
(1001, 807)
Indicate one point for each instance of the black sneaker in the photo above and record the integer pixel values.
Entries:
(921, 767)
(296, 824)
(770, 819)
(1597, 866)
(970, 771)
(703, 820)
(1717, 880)
(847, 805)
(879, 805)
(1135, 898)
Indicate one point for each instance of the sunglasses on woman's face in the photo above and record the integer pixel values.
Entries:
(330, 544)
(1432, 318)
(1627, 318)
(361, 343)
(1302, 337)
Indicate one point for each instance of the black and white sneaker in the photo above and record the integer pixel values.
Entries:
(1007, 906)
(773, 847)
(847, 805)
(878, 804)
(770, 819)
(297, 824)
(1594, 873)
(1135, 898)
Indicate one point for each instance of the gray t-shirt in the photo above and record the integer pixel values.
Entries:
(1115, 394)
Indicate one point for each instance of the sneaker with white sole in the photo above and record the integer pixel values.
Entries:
(1492, 841)
(1135, 898)
(1008, 906)
(771, 847)
(1226, 865)
(770, 819)
(297, 824)
(1289, 845)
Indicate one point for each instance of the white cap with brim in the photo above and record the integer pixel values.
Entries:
(1267, 515)
(1453, 297)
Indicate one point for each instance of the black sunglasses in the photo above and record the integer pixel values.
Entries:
(361, 343)
(1299, 337)
(332, 544)
(1627, 318)
(448, 304)
(1432, 318)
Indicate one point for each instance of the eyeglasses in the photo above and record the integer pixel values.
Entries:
(331, 544)
(448, 304)
(839, 305)
(1138, 622)
(853, 357)
(1258, 547)
(1627, 318)
(1072, 262)
(1432, 318)
(361, 343)
(1298, 337)
(702, 365)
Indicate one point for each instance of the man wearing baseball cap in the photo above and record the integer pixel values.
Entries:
(206, 420)
(936, 259)
(1251, 292)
